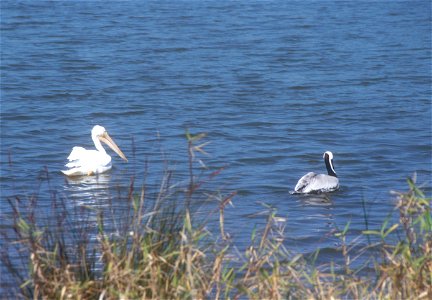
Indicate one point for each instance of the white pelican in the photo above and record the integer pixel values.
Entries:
(91, 162)
(319, 183)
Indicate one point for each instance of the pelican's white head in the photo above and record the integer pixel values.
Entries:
(330, 155)
(98, 131)
(328, 159)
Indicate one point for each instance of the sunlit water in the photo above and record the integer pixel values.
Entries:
(273, 84)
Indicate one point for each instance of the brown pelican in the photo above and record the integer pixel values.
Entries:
(319, 183)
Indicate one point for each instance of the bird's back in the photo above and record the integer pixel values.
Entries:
(316, 183)
(85, 162)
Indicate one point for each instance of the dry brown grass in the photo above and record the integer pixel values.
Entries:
(168, 254)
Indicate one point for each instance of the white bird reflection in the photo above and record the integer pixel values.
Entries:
(89, 191)
(88, 199)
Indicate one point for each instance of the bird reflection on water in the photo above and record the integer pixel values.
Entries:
(89, 190)
(88, 199)
(316, 199)
(95, 199)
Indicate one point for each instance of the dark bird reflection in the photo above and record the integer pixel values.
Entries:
(316, 199)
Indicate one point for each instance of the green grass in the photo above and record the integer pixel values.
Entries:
(162, 250)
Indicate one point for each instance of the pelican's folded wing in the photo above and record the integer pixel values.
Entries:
(304, 184)
(75, 163)
(76, 153)
(73, 172)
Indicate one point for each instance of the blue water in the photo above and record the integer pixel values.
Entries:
(273, 84)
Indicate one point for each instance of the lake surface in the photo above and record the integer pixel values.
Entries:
(273, 84)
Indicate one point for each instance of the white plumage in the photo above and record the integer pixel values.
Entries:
(91, 162)
(319, 183)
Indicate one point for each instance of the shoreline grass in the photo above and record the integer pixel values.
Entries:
(162, 249)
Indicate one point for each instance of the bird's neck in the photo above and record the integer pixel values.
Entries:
(98, 145)
(330, 168)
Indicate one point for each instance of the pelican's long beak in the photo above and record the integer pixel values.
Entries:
(107, 140)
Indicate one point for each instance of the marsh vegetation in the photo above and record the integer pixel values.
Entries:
(162, 248)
